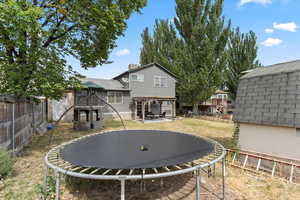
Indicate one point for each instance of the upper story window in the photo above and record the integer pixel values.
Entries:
(160, 81)
(137, 77)
(115, 97)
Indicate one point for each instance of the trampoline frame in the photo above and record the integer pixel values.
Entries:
(53, 160)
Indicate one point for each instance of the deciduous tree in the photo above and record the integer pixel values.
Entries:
(37, 36)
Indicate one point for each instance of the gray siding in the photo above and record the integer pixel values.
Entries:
(147, 89)
(123, 107)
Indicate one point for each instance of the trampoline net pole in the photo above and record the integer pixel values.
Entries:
(122, 189)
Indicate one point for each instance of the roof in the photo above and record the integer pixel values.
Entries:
(106, 84)
(270, 96)
(274, 69)
(220, 92)
(144, 67)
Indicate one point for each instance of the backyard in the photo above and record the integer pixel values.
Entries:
(28, 169)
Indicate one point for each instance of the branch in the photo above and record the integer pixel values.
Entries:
(52, 38)
(47, 19)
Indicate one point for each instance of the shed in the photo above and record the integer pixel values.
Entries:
(267, 108)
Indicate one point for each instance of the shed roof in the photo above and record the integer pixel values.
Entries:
(107, 84)
(144, 67)
(270, 96)
(274, 69)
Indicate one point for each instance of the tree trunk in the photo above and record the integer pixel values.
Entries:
(195, 108)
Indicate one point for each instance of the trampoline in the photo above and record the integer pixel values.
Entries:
(134, 155)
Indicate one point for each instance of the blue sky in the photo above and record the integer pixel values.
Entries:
(275, 23)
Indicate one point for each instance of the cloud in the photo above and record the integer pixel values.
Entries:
(123, 52)
(263, 2)
(291, 26)
(271, 42)
(269, 30)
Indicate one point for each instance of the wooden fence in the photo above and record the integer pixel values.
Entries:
(18, 122)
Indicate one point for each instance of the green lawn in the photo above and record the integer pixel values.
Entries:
(28, 169)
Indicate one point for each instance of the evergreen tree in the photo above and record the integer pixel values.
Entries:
(194, 48)
(242, 56)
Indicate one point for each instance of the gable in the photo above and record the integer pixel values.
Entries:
(141, 68)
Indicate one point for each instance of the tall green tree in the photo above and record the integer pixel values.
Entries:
(194, 48)
(37, 36)
(242, 56)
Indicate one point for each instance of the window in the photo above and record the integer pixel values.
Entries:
(137, 77)
(160, 82)
(115, 97)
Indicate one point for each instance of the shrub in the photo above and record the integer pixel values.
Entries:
(6, 163)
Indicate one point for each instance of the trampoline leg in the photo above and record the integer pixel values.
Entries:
(223, 178)
(214, 175)
(123, 189)
(45, 177)
(198, 182)
(57, 188)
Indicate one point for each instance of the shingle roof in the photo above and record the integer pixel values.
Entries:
(274, 69)
(270, 96)
(107, 84)
(143, 67)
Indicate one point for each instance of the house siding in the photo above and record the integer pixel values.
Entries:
(123, 107)
(147, 89)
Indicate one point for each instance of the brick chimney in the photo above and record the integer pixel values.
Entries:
(132, 66)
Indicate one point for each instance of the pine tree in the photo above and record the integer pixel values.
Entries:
(242, 56)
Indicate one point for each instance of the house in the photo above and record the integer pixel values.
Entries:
(135, 93)
(267, 108)
(218, 103)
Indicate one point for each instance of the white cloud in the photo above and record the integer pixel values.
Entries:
(291, 26)
(263, 2)
(123, 52)
(269, 30)
(271, 42)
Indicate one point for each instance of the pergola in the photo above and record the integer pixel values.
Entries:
(147, 100)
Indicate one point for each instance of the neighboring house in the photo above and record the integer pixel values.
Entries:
(267, 108)
(135, 93)
(219, 103)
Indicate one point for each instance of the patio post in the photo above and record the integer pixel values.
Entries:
(143, 111)
(135, 110)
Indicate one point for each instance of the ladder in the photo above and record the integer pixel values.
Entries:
(232, 158)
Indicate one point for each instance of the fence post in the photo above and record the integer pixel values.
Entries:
(13, 128)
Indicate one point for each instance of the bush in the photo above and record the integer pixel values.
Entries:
(6, 163)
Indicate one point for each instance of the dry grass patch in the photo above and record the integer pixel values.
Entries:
(28, 169)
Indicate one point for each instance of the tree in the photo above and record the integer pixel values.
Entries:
(195, 49)
(37, 36)
(242, 56)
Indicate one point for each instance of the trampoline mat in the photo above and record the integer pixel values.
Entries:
(132, 149)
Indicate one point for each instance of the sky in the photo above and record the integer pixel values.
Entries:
(275, 22)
